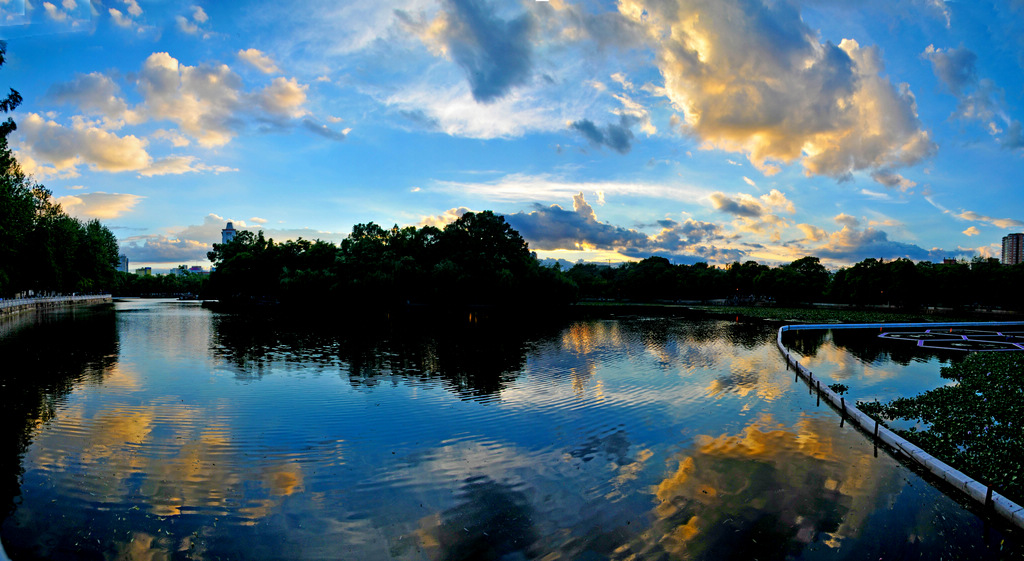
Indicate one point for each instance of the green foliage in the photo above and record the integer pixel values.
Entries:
(899, 283)
(974, 425)
(184, 283)
(839, 388)
(477, 260)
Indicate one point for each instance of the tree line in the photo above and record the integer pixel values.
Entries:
(898, 282)
(481, 260)
(42, 249)
(476, 260)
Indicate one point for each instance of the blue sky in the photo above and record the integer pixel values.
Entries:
(700, 130)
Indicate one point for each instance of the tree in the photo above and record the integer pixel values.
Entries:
(17, 204)
(41, 247)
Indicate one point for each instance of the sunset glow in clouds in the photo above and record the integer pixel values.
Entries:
(700, 130)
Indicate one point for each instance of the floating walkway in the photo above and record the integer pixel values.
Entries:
(983, 494)
(15, 305)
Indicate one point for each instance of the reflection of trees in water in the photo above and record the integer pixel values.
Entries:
(806, 342)
(492, 521)
(471, 360)
(45, 355)
(867, 346)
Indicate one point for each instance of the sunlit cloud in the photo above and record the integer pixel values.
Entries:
(972, 216)
(893, 180)
(259, 60)
(847, 220)
(553, 227)
(284, 97)
(755, 79)
(65, 148)
(98, 204)
(972, 231)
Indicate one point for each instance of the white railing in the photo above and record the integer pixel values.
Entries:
(15, 302)
(976, 490)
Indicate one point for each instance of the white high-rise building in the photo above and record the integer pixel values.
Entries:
(228, 234)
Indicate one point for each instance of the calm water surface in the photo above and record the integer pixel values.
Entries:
(160, 430)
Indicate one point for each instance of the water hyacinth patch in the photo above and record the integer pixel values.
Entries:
(972, 425)
(839, 388)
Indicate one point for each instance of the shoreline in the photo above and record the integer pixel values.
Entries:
(15, 306)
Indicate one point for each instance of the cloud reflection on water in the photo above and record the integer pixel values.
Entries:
(767, 492)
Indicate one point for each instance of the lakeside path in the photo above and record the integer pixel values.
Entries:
(983, 494)
(16, 305)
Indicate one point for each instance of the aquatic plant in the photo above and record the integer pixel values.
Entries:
(839, 388)
(974, 425)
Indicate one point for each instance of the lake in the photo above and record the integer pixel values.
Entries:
(156, 429)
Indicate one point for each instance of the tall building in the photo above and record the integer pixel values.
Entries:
(228, 234)
(1013, 249)
(123, 265)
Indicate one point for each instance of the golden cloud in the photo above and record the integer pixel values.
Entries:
(753, 78)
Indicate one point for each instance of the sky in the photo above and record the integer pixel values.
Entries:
(699, 130)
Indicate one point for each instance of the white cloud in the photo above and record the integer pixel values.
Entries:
(176, 139)
(443, 219)
(175, 165)
(119, 18)
(201, 100)
(531, 188)
(753, 78)
(49, 149)
(284, 97)
(54, 13)
(65, 148)
(133, 7)
(454, 111)
(812, 233)
(98, 204)
(259, 60)
(187, 26)
(893, 180)
(1003, 223)
(95, 93)
(747, 205)
(847, 220)
(972, 231)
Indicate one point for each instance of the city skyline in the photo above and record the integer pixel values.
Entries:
(698, 130)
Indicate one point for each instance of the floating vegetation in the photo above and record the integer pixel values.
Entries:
(839, 388)
(974, 425)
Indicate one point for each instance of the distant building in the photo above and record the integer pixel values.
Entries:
(949, 261)
(1013, 249)
(183, 270)
(228, 234)
(144, 271)
(123, 265)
